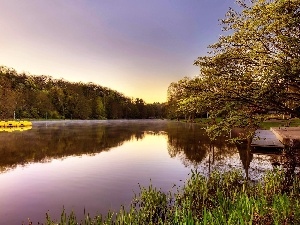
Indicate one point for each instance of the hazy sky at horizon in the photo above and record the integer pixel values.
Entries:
(135, 47)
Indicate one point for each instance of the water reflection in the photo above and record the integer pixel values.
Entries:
(194, 148)
(114, 156)
(53, 140)
(15, 129)
(57, 140)
(192, 145)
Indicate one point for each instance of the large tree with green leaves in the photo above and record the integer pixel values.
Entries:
(254, 67)
(184, 99)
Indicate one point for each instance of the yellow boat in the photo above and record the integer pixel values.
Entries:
(24, 128)
(24, 124)
(11, 124)
(15, 124)
(8, 129)
(12, 129)
(2, 123)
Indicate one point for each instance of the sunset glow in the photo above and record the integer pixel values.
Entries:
(137, 48)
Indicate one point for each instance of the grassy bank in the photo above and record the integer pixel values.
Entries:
(220, 199)
(295, 122)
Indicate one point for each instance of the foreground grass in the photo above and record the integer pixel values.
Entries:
(220, 199)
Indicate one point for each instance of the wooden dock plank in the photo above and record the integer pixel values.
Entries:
(266, 138)
(289, 136)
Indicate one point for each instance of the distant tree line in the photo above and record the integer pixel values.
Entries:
(41, 97)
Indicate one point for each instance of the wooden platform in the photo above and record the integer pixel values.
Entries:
(267, 139)
(289, 136)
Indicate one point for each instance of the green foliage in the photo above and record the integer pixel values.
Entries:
(41, 97)
(98, 108)
(253, 68)
(225, 198)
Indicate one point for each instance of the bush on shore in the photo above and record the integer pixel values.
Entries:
(226, 198)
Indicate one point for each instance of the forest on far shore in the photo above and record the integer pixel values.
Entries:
(42, 97)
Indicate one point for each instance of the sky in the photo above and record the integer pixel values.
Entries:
(136, 47)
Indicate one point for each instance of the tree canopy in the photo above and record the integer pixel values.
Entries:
(29, 96)
(254, 68)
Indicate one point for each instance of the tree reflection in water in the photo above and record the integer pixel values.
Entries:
(193, 146)
(57, 140)
(190, 143)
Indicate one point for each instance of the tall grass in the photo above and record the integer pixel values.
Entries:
(226, 198)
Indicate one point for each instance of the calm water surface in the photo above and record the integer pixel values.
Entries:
(98, 165)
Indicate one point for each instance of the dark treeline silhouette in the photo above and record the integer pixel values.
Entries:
(39, 97)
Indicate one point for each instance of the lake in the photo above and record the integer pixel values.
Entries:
(98, 165)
